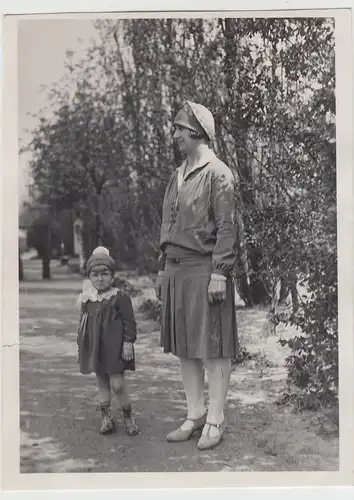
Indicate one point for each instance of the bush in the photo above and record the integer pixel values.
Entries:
(313, 362)
(126, 287)
(152, 309)
(242, 357)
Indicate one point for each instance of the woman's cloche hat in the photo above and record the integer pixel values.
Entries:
(196, 117)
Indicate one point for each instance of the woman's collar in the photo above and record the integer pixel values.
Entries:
(207, 155)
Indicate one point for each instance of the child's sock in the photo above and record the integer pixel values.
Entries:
(119, 387)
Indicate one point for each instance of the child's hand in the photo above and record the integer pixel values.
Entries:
(128, 351)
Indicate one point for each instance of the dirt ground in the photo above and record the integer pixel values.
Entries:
(59, 417)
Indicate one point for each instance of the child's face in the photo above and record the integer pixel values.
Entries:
(101, 278)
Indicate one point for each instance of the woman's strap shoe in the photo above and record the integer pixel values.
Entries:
(206, 441)
(181, 434)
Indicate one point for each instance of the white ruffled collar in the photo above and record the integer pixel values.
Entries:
(89, 292)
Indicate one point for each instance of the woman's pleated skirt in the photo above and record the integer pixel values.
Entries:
(192, 327)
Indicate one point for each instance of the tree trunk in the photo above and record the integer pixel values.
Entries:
(98, 240)
(252, 293)
(46, 267)
(67, 233)
(20, 268)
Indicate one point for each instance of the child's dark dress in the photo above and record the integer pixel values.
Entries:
(104, 326)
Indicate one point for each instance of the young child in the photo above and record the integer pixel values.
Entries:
(106, 337)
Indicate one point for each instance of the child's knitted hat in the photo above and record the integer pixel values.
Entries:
(100, 257)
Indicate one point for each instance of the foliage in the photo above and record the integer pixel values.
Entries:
(107, 153)
(152, 309)
(313, 363)
(126, 287)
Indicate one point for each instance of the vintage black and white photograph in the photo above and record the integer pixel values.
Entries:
(177, 248)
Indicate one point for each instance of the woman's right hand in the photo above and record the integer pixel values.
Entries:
(158, 285)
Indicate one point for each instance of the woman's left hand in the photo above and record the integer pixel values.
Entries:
(217, 289)
(128, 351)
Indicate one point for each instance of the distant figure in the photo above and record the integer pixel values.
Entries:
(106, 338)
(64, 259)
(198, 244)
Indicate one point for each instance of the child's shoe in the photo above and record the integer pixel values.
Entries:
(107, 425)
(130, 425)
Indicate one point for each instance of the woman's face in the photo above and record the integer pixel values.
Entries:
(101, 278)
(185, 142)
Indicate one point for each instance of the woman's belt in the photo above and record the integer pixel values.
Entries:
(178, 255)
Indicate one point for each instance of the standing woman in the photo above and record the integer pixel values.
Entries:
(198, 241)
